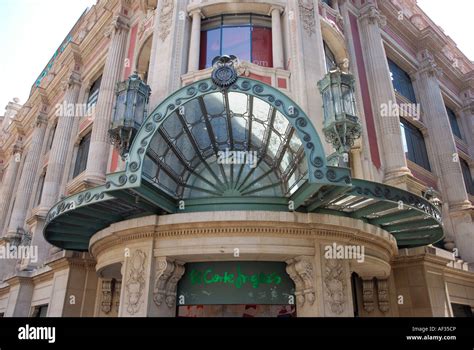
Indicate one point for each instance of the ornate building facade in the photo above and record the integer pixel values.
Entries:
(294, 158)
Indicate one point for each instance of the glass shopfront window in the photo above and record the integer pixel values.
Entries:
(249, 37)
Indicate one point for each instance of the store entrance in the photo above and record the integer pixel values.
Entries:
(236, 289)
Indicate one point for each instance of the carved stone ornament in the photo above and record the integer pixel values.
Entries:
(335, 285)
(300, 270)
(368, 294)
(168, 274)
(106, 303)
(224, 73)
(383, 296)
(166, 18)
(118, 288)
(373, 15)
(135, 282)
(307, 15)
(428, 65)
(117, 24)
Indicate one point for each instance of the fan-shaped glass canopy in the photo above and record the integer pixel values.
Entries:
(226, 144)
(247, 146)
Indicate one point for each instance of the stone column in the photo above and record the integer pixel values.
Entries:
(28, 175)
(381, 91)
(59, 148)
(195, 41)
(100, 147)
(277, 40)
(453, 188)
(8, 183)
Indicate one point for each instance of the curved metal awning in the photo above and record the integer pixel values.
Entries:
(179, 162)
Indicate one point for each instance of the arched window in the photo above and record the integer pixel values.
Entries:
(249, 37)
(414, 145)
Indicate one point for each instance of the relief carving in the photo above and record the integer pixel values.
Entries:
(166, 18)
(335, 285)
(383, 296)
(106, 303)
(307, 16)
(368, 294)
(135, 282)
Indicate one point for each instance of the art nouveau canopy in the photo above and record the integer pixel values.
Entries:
(246, 146)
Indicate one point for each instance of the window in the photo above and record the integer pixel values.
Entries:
(328, 2)
(414, 144)
(466, 173)
(453, 120)
(401, 81)
(94, 93)
(461, 310)
(52, 133)
(39, 192)
(249, 37)
(82, 153)
(40, 311)
(329, 57)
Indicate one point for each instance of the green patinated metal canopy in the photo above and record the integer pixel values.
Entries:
(245, 146)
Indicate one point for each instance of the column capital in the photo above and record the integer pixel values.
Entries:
(278, 8)
(119, 23)
(195, 11)
(40, 120)
(373, 15)
(72, 80)
(428, 65)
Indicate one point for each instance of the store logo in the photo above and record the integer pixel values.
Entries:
(237, 157)
(37, 333)
(238, 279)
(350, 252)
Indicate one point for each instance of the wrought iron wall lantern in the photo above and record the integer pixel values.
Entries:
(129, 112)
(341, 125)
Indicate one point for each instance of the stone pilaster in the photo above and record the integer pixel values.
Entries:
(453, 188)
(58, 152)
(381, 91)
(195, 41)
(168, 50)
(306, 59)
(100, 147)
(8, 183)
(277, 39)
(28, 175)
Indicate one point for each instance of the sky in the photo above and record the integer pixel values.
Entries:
(32, 30)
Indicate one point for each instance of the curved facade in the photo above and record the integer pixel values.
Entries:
(235, 195)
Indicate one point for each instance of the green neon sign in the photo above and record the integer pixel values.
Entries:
(238, 279)
(235, 282)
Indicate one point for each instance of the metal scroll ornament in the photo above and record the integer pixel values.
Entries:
(224, 73)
